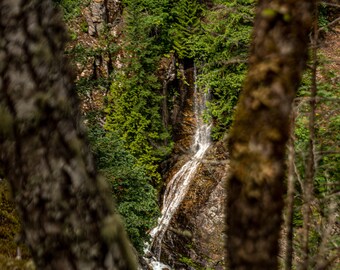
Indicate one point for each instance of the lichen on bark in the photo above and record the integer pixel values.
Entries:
(260, 132)
(64, 208)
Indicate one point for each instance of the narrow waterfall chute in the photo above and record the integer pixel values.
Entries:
(179, 184)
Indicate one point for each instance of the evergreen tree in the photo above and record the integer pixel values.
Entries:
(185, 27)
(135, 197)
(222, 54)
(134, 101)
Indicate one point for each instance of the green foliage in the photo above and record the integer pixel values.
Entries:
(9, 223)
(115, 149)
(186, 27)
(134, 102)
(136, 199)
(323, 15)
(9, 230)
(70, 8)
(189, 262)
(326, 151)
(326, 128)
(223, 51)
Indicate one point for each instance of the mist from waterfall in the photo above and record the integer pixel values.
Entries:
(178, 186)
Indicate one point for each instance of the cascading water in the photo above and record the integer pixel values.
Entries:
(180, 182)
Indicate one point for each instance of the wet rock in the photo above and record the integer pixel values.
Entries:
(195, 237)
(202, 214)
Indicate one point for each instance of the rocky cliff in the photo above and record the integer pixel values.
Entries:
(195, 236)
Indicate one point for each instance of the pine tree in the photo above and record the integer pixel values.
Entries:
(134, 101)
(186, 27)
(223, 56)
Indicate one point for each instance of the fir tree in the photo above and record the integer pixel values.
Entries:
(186, 27)
(134, 100)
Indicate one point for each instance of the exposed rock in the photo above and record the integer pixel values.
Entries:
(196, 231)
(91, 64)
(195, 237)
(114, 11)
(201, 213)
(101, 12)
(96, 16)
(182, 116)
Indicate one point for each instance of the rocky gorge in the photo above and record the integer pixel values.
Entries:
(194, 236)
(194, 232)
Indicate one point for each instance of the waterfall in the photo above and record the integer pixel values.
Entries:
(178, 186)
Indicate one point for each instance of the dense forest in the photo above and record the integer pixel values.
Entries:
(260, 156)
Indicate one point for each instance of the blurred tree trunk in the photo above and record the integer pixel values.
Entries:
(289, 215)
(260, 132)
(68, 218)
(308, 189)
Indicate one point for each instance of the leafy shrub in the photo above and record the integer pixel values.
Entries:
(134, 101)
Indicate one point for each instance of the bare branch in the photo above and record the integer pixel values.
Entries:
(330, 4)
(329, 24)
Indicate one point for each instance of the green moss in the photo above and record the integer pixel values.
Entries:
(287, 17)
(269, 13)
(84, 26)
(13, 264)
(9, 229)
(189, 262)
(73, 35)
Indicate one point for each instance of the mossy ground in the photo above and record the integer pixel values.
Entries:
(9, 229)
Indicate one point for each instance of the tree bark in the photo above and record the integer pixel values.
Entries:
(310, 166)
(68, 218)
(260, 132)
(289, 215)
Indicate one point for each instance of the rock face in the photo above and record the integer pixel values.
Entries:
(195, 237)
(97, 30)
(101, 12)
(182, 115)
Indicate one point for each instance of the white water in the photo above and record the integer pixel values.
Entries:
(180, 182)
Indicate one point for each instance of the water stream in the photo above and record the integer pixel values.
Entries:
(178, 186)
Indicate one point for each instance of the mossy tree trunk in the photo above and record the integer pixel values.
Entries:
(260, 132)
(68, 218)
